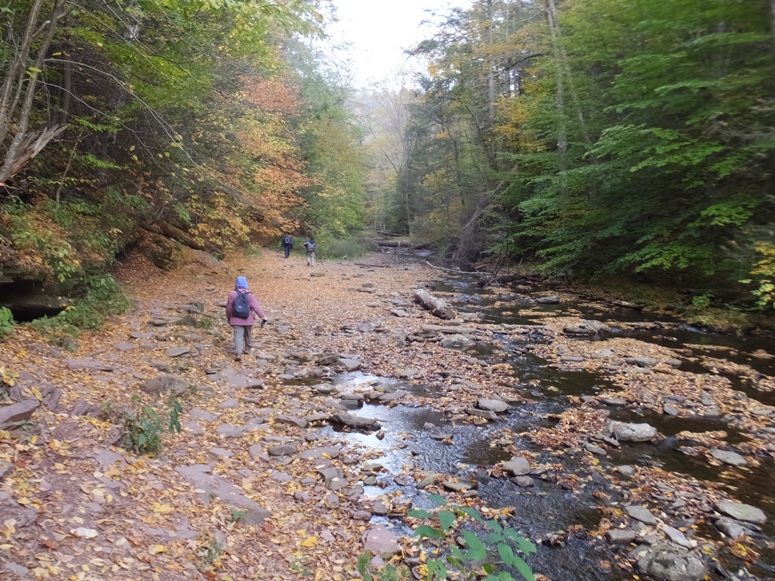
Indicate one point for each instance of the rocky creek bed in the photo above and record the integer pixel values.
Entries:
(620, 444)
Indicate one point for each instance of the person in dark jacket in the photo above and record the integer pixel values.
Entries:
(287, 242)
(243, 327)
(309, 245)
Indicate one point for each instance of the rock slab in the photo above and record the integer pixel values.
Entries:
(740, 511)
(18, 412)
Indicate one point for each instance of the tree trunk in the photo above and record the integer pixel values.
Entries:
(438, 307)
(490, 72)
(562, 130)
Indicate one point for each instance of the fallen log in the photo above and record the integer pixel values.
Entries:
(438, 307)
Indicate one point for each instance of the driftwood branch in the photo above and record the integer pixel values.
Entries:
(438, 307)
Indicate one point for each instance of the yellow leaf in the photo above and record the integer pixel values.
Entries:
(156, 549)
(159, 508)
(310, 542)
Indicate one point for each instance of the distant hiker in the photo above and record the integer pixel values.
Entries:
(310, 246)
(287, 242)
(240, 307)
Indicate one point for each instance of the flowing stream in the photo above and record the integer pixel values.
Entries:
(546, 511)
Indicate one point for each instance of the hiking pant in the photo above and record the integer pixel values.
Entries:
(242, 338)
(287, 249)
(310, 258)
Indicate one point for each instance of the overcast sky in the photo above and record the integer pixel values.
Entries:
(378, 31)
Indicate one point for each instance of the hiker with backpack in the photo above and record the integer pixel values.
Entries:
(240, 307)
(310, 246)
(287, 242)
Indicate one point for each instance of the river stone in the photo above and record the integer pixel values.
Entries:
(426, 482)
(665, 564)
(729, 457)
(215, 486)
(549, 300)
(482, 414)
(165, 383)
(677, 536)
(457, 486)
(524, 481)
(380, 508)
(229, 431)
(220, 453)
(456, 341)
(626, 470)
(17, 413)
(202, 415)
(621, 535)
(356, 422)
(595, 450)
(740, 511)
(298, 422)
(632, 432)
(670, 410)
(572, 359)
(379, 540)
(641, 361)
(641, 513)
(351, 364)
(613, 401)
(230, 404)
(392, 396)
(492, 405)
(602, 354)
(330, 451)
(730, 527)
(518, 466)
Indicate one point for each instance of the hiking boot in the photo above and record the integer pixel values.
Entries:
(238, 358)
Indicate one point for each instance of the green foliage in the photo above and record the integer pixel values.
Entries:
(6, 321)
(764, 273)
(702, 301)
(144, 427)
(349, 247)
(496, 555)
(103, 297)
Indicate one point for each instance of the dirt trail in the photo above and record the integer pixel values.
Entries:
(65, 480)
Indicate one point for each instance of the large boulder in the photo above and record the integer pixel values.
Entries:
(492, 405)
(740, 511)
(165, 383)
(518, 466)
(665, 564)
(625, 432)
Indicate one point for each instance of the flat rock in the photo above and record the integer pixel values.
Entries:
(613, 401)
(597, 450)
(729, 457)
(641, 513)
(641, 361)
(625, 432)
(379, 540)
(621, 535)
(17, 413)
(202, 415)
(601, 354)
(740, 511)
(401, 313)
(549, 300)
(220, 453)
(457, 486)
(215, 486)
(256, 451)
(351, 364)
(380, 508)
(230, 404)
(730, 527)
(524, 481)
(626, 470)
(670, 410)
(492, 405)
(123, 346)
(294, 421)
(178, 351)
(330, 451)
(517, 466)
(229, 431)
(392, 396)
(88, 364)
(107, 458)
(677, 536)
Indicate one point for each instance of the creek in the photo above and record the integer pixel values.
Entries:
(545, 512)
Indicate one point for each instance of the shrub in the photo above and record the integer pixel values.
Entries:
(496, 556)
(341, 248)
(6, 321)
(144, 426)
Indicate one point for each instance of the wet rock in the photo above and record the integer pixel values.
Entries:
(392, 396)
(730, 527)
(370, 481)
(215, 486)
(379, 540)
(621, 535)
(641, 513)
(351, 364)
(482, 414)
(597, 450)
(492, 405)
(625, 432)
(517, 466)
(740, 511)
(408, 373)
(549, 300)
(380, 508)
(401, 480)
(729, 457)
(355, 422)
(17, 413)
(330, 451)
(585, 328)
(677, 536)
(426, 482)
(281, 450)
(626, 470)
(665, 564)
(457, 486)
(641, 361)
(165, 383)
(613, 401)
(524, 481)
(178, 351)
(192, 427)
(456, 341)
